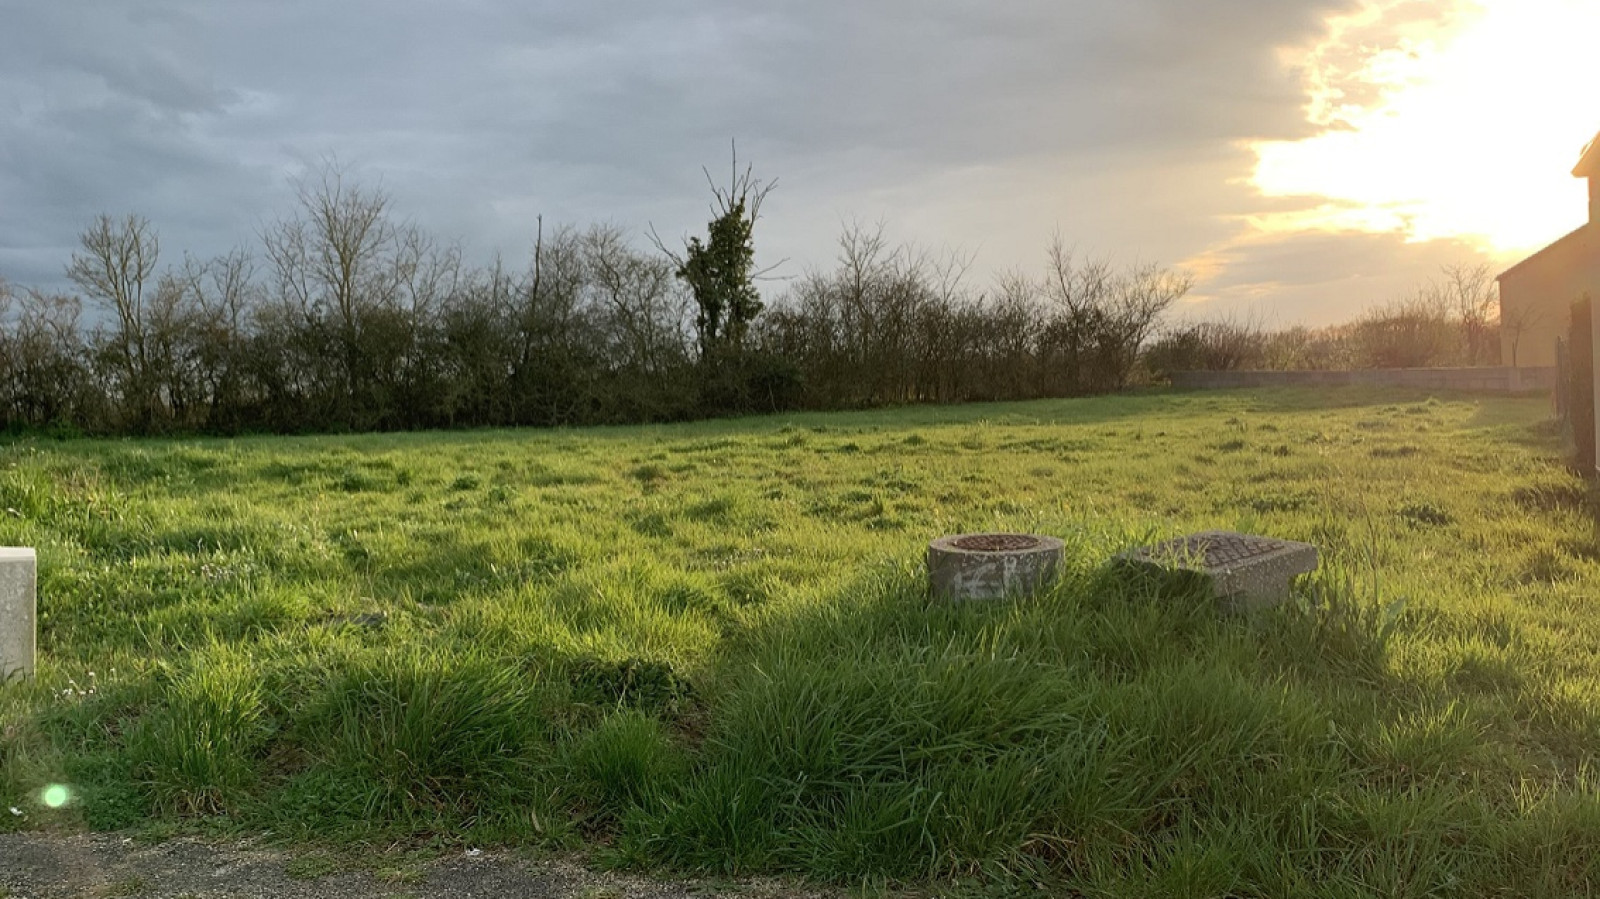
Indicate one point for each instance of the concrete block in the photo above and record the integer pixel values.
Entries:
(1246, 572)
(18, 612)
(992, 566)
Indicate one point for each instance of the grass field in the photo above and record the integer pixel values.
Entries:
(708, 647)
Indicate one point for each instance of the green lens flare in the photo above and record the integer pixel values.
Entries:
(56, 795)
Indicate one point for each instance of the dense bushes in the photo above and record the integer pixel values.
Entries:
(1451, 321)
(347, 319)
(891, 326)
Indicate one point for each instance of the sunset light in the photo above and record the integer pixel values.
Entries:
(1465, 125)
(1092, 448)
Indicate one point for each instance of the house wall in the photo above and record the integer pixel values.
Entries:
(1536, 297)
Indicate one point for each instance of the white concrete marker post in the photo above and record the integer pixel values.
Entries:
(18, 611)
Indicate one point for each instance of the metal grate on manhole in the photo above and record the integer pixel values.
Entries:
(997, 543)
(1218, 550)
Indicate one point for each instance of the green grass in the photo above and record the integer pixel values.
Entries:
(708, 647)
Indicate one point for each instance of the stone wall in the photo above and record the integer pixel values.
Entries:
(1483, 380)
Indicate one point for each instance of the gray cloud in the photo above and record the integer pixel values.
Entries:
(976, 124)
(1322, 278)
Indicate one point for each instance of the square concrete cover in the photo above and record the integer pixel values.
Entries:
(1246, 571)
(17, 610)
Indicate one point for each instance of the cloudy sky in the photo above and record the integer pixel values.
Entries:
(1305, 158)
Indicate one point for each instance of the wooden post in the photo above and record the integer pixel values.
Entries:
(1594, 384)
(1581, 396)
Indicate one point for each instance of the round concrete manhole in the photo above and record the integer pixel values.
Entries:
(996, 543)
(992, 566)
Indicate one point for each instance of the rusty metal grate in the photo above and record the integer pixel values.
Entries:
(1217, 550)
(997, 543)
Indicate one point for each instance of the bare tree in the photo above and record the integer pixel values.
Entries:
(1078, 293)
(44, 378)
(1472, 295)
(1139, 297)
(345, 266)
(223, 294)
(638, 297)
(114, 266)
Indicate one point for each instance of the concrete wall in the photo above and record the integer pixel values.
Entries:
(1486, 380)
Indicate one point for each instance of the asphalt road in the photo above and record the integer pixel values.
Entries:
(57, 866)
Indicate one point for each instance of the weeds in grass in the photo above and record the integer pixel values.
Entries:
(709, 647)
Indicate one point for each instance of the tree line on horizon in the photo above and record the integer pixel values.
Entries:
(345, 318)
(1451, 321)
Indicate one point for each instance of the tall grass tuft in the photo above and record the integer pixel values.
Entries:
(627, 763)
(417, 734)
(197, 749)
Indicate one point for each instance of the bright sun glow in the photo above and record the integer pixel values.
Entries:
(1446, 118)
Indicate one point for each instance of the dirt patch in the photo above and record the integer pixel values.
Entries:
(54, 866)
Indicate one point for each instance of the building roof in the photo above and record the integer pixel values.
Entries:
(1589, 165)
(1554, 249)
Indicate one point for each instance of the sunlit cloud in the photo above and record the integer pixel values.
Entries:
(1443, 119)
